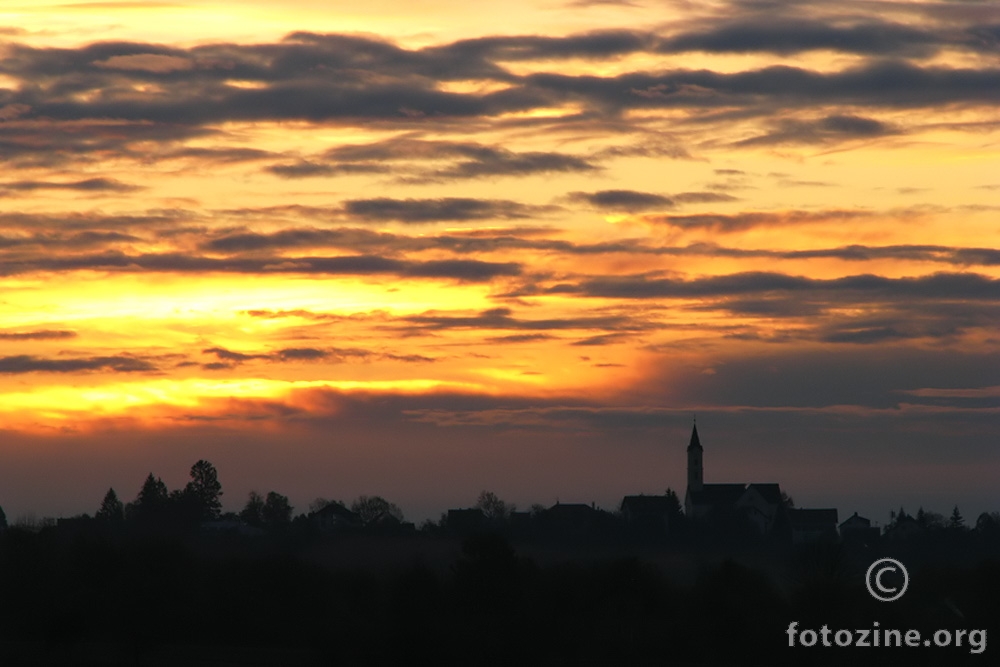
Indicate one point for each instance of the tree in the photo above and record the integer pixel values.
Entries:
(205, 489)
(675, 512)
(897, 518)
(184, 509)
(370, 508)
(988, 523)
(786, 501)
(956, 521)
(3, 519)
(929, 520)
(253, 512)
(494, 508)
(151, 503)
(674, 503)
(277, 512)
(111, 509)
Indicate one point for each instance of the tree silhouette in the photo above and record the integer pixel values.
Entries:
(253, 511)
(674, 503)
(494, 508)
(151, 503)
(929, 520)
(3, 519)
(675, 512)
(111, 509)
(370, 508)
(205, 489)
(956, 521)
(897, 518)
(276, 512)
(988, 523)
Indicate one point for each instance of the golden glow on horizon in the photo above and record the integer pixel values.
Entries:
(164, 258)
(79, 404)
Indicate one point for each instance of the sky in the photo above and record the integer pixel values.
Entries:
(422, 249)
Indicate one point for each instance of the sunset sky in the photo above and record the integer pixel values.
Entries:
(421, 249)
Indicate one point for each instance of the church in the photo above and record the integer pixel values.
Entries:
(762, 504)
(761, 507)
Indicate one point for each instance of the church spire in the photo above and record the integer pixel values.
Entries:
(695, 442)
(694, 452)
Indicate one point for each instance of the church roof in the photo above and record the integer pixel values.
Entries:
(717, 494)
(695, 442)
(771, 493)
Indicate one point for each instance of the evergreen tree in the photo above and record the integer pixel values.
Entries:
(929, 520)
(151, 503)
(956, 521)
(674, 502)
(3, 519)
(111, 509)
(204, 489)
(675, 512)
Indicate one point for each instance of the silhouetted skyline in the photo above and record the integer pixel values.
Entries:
(418, 250)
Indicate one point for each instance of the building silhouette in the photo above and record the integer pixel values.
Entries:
(760, 505)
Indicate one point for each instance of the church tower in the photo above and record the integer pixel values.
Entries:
(695, 471)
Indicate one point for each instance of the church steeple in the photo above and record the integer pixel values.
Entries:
(694, 451)
(695, 442)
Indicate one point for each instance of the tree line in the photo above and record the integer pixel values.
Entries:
(200, 501)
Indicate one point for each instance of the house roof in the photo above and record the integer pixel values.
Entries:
(717, 494)
(467, 515)
(571, 509)
(855, 521)
(386, 519)
(641, 505)
(338, 511)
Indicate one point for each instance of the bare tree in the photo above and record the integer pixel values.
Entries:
(494, 508)
(253, 512)
(370, 508)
